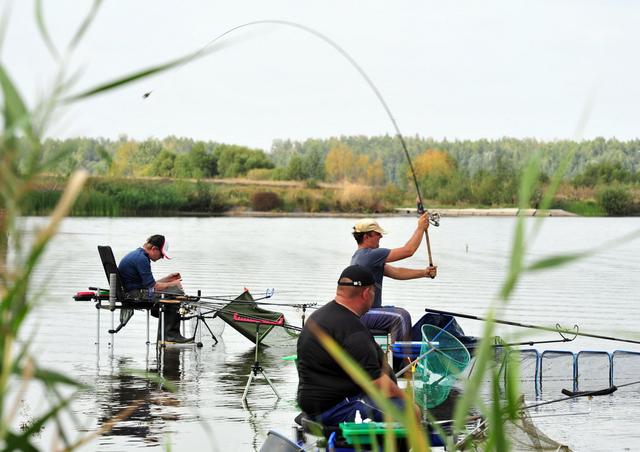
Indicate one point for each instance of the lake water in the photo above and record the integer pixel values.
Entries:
(301, 258)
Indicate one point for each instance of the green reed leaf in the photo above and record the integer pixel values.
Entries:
(37, 425)
(19, 442)
(84, 26)
(497, 439)
(16, 114)
(44, 33)
(529, 180)
(138, 75)
(472, 388)
(152, 377)
(4, 24)
(53, 377)
(556, 261)
(512, 382)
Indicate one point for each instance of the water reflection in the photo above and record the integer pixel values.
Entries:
(237, 369)
(119, 391)
(157, 406)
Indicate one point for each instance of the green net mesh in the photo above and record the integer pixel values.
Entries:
(442, 359)
(246, 307)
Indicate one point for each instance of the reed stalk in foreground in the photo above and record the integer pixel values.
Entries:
(22, 163)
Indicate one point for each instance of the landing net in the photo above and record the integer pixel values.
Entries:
(443, 359)
(246, 307)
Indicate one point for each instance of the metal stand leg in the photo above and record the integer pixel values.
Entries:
(160, 358)
(113, 326)
(98, 326)
(162, 342)
(257, 368)
(148, 327)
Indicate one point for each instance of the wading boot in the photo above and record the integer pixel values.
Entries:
(172, 327)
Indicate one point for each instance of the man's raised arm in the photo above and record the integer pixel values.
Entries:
(412, 245)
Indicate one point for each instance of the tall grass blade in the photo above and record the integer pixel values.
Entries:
(556, 261)
(471, 394)
(518, 248)
(4, 24)
(44, 33)
(84, 26)
(16, 115)
(121, 81)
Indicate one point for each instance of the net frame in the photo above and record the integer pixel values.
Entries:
(442, 359)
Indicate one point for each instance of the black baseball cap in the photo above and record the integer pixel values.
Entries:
(360, 276)
(161, 242)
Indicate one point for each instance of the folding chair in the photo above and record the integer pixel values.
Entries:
(119, 299)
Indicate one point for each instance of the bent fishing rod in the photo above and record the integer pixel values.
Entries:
(434, 218)
(575, 331)
(570, 395)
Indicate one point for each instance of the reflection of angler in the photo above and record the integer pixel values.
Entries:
(119, 392)
(169, 363)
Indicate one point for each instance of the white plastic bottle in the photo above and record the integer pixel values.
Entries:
(358, 419)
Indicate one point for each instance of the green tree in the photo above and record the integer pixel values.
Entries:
(615, 200)
(163, 164)
(234, 161)
(295, 169)
(202, 162)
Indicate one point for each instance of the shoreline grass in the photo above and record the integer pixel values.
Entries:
(113, 197)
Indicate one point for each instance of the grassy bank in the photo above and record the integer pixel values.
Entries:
(155, 196)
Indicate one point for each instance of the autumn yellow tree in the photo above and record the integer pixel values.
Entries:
(375, 173)
(344, 165)
(339, 163)
(124, 163)
(434, 169)
(433, 163)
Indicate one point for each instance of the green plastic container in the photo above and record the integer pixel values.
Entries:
(367, 432)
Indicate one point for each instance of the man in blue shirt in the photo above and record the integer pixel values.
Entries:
(139, 283)
(368, 233)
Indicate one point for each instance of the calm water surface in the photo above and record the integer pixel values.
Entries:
(301, 258)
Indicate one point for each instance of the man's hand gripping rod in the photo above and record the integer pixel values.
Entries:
(434, 219)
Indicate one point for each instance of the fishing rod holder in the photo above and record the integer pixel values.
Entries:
(256, 367)
(304, 307)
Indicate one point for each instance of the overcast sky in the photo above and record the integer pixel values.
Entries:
(454, 69)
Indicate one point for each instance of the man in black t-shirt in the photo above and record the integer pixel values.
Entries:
(325, 391)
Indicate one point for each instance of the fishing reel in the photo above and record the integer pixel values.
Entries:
(434, 217)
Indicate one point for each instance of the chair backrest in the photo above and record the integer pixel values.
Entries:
(109, 264)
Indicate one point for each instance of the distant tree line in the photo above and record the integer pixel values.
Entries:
(479, 172)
